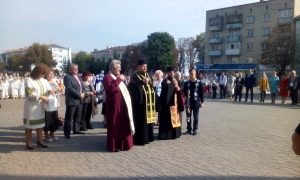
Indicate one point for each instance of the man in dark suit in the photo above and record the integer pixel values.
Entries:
(293, 86)
(249, 83)
(74, 92)
(238, 86)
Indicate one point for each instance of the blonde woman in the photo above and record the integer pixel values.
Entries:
(263, 86)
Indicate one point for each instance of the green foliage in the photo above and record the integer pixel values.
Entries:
(159, 50)
(56, 71)
(82, 59)
(279, 48)
(14, 62)
(66, 65)
(38, 54)
(130, 57)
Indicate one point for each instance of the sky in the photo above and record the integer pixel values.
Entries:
(94, 24)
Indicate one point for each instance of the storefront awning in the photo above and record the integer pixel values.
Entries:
(225, 66)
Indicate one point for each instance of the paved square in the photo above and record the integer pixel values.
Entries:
(236, 140)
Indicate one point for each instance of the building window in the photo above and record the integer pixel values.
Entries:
(216, 35)
(249, 60)
(250, 19)
(215, 60)
(250, 33)
(234, 60)
(54, 50)
(60, 56)
(233, 46)
(285, 13)
(266, 17)
(60, 50)
(266, 31)
(249, 46)
(215, 48)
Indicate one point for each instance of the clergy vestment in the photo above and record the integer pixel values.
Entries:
(171, 104)
(143, 105)
(119, 129)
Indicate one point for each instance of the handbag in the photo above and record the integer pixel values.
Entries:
(60, 121)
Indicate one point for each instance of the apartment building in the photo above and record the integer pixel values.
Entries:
(59, 54)
(109, 52)
(234, 34)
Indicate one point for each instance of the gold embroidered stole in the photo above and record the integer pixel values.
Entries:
(127, 99)
(175, 113)
(150, 98)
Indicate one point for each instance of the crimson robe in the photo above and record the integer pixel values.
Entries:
(118, 126)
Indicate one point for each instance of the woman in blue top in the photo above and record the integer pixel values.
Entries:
(274, 83)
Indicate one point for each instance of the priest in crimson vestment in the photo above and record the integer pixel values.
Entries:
(120, 127)
(172, 102)
(143, 104)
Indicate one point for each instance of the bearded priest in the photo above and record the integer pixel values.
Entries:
(172, 102)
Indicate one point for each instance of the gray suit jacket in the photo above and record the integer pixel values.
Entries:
(72, 90)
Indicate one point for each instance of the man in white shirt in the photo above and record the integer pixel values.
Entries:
(222, 85)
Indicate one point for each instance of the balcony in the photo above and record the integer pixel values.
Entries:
(234, 26)
(237, 38)
(215, 40)
(218, 27)
(283, 21)
(233, 51)
(215, 53)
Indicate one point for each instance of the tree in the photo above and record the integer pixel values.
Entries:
(159, 50)
(66, 65)
(14, 62)
(130, 57)
(278, 50)
(38, 54)
(190, 51)
(82, 59)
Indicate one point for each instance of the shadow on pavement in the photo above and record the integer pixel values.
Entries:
(13, 139)
(15, 177)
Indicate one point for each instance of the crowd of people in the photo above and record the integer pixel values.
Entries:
(231, 86)
(133, 105)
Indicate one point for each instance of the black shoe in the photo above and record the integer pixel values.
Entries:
(245, 101)
(187, 132)
(83, 129)
(220, 97)
(235, 100)
(29, 147)
(252, 101)
(260, 101)
(195, 132)
(68, 137)
(39, 144)
(118, 150)
(78, 132)
(90, 127)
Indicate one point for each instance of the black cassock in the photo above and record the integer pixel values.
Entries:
(143, 131)
(166, 130)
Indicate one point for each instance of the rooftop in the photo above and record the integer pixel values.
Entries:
(259, 1)
(110, 49)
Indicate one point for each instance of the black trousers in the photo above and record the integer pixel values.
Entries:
(222, 91)
(86, 116)
(73, 113)
(238, 92)
(247, 91)
(294, 95)
(214, 89)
